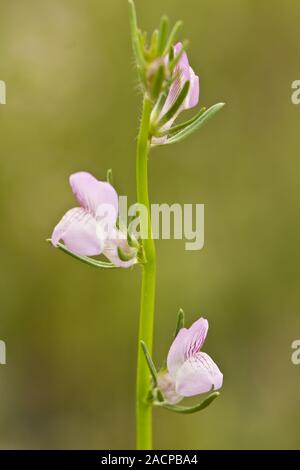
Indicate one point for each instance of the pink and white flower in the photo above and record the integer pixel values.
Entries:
(90, 230)
(182, 73)
(190, 371)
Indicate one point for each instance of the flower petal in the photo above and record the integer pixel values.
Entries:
(183, 72)
(91, 193)
(118, 240)
(183, 63)
(199, 374)
(77, 229)
(188, 73)
(195, 337)
(176, 356)
(187, 343)
(192, 98)
(181, 75)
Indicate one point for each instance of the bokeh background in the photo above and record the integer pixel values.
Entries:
(73, 104)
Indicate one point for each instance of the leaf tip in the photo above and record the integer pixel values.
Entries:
(109, 176)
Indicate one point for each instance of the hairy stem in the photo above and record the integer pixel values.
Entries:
(144, 409)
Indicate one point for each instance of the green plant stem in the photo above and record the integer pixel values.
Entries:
(143, 408)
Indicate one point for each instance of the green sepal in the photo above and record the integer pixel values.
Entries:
(150, 363)
(171, 55)
(174, 108)
(132, 241)
(180, 322)
(188, 409)
(158, 395)
(85, 259)
(158, 81)
(125, 256)
(194, 126)
(158, 107)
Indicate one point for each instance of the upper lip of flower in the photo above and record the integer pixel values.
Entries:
(194, 372)
(83, 229)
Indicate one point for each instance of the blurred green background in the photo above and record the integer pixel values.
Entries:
(70, 331)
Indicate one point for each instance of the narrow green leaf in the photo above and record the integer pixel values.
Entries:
(173, 110)
(150, 363)
(196, 124)
(172, 37)
(190, 409)
(163, 34)
(85, 259)
(180, 321)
